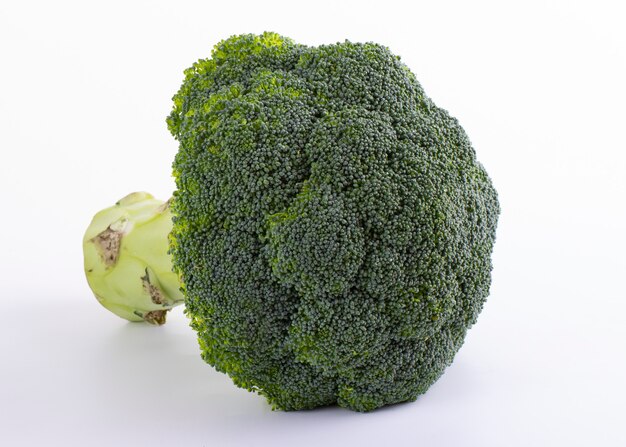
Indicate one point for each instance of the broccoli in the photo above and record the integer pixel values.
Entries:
(332, 227)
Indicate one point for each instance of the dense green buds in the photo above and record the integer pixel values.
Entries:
(333, 227)
(127, 263)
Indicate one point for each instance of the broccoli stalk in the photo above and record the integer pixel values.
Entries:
(127, 263)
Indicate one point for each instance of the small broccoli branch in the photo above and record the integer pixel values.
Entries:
(127, 264)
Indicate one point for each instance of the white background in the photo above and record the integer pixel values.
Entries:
(538, 86)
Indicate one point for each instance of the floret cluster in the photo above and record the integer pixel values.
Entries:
(333, 229)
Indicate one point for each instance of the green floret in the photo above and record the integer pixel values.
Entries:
(332, 227)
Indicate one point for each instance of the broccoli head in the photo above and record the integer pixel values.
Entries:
(332, 227)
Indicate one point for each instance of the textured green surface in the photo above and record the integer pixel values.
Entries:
(333, 229)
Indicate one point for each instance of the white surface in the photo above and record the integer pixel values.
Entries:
(539, 87)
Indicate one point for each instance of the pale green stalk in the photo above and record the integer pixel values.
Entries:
(127, 263)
